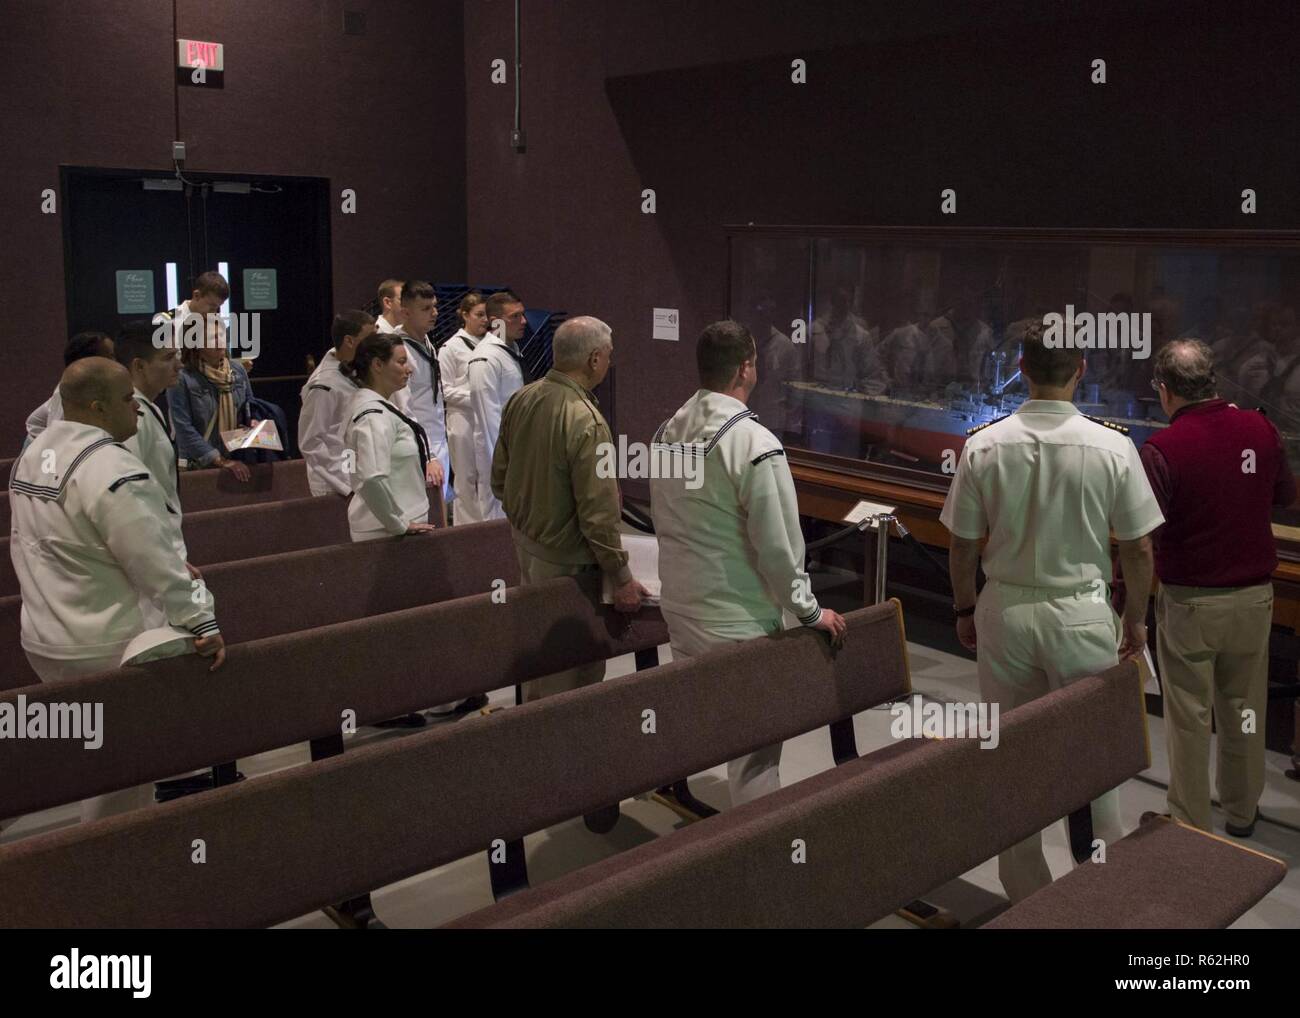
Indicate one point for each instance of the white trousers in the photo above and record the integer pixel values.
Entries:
(1032, 640)
(754, 774)
(460, 442)
(123, 800)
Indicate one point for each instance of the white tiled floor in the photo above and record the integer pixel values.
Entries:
(432, 898)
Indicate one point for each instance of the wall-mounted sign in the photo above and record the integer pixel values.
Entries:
(259, 290)
(665, 323)
(135, 291)
(192, 53)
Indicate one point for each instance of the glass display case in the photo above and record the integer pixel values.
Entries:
(879, 348)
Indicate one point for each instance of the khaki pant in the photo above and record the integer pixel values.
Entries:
(1032, 640)
(535, 570)
(1213, 647)
(754, 774)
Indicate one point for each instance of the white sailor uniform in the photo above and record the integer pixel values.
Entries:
(326, 399)
(496, 372)
(45, 415)
(92, 539)
(1047, 485)
(422, 400)
(388, 451)
(454, 359)
(731, 554)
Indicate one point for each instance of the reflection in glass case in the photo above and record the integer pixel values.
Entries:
(885, 345)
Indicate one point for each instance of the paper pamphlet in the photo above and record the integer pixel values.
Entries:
(643, 559)
(262, 435)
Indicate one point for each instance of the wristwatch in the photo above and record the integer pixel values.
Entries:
(961, 613)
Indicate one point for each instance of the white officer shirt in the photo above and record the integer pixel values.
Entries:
(496, 372)
(154, 446)
(90, 540)
(381, 325)
(388, 475)
(454, 359)
(326, 399)
(422, 399)
(1048, 486)
(730, 550)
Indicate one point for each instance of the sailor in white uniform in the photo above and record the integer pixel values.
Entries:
(92, 538)
(454, 358)
(153, 370)
(385, 450)
(326, 399)
(83, 344)
(731, 554)
(1047, 486)
(496, 372)
(422, 397)
(390, 306)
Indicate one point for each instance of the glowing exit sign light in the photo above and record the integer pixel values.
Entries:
(194, 53)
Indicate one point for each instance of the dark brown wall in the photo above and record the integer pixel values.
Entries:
(902, 100)
(90, 82)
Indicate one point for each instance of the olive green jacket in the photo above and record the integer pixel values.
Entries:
(544, 473)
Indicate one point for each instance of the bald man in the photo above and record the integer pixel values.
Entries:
(91, 540)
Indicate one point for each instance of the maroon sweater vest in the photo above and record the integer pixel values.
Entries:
(1217, 530)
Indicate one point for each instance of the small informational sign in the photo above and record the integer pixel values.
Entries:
(260, 290)
(193, 53)
(665, 323)
(135, 292)
(864, 509)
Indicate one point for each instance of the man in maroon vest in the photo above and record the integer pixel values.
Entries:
(1217, 471)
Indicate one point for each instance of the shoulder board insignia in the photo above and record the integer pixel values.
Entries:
(981, 427)
(1107, 424)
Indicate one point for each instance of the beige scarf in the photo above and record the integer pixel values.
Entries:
(223, 377)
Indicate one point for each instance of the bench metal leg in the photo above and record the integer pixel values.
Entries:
(218, 775)
(356, 913)
(844, 743)
(330, 745)
(224, 774)
(1080, 825)
(511, 876)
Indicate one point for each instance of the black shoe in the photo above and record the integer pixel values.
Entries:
(1243, 832)
(405, 721)
(1150, 815)
(467, 706)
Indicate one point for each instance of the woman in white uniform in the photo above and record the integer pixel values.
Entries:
(388, 450)
(453, 359)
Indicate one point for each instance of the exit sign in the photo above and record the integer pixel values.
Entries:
(191, 53)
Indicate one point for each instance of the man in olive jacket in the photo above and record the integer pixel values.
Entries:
(563, 516)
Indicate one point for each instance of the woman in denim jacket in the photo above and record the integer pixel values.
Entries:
(211, 397)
